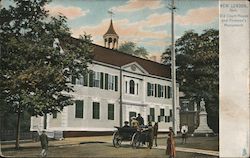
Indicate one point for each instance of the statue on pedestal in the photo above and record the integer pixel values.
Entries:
(202, 105)
(203, 127)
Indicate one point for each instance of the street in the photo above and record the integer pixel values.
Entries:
(106, 149)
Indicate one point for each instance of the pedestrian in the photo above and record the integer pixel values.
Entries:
(44, 144)
(150, 135)
(171, 144)
(155, 128)
(184, 130)
(140, 120)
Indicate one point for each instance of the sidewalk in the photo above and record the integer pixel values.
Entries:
(92, 139)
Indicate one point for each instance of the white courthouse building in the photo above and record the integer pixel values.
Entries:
(119, 87)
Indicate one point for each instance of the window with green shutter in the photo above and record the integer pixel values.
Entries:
(85, 80)
(152, 114)
(54, 115)
(162, 115)
(111, 111)
(79, 109)
(96, 110)
(73, 80)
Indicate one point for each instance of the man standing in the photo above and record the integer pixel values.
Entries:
(44, 144)
(155, 132)
(140, 120)
(184, 130)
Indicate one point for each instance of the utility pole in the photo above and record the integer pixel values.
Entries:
(173, 70)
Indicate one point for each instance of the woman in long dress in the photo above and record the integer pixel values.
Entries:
(171, 144)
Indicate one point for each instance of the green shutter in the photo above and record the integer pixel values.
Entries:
(101, 84)
(116, 83)
(169, 92)
(159, 90)
(91, 75)
(106, 81)
(148, 87)
(155, 90)
(165, 89)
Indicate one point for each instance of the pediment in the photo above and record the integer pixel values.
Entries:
(134, 67)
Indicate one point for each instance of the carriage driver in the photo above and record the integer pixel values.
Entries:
(126, 124)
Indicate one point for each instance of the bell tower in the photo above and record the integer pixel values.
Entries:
(111, 37)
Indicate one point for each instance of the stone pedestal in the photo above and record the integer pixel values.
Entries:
(203, 127)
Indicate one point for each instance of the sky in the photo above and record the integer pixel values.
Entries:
(145, 22)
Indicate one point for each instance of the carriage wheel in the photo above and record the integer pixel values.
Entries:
(116, 139)
(135, 140)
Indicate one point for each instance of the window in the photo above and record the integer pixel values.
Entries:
(131, 87)
(152, 114)
(73, 80)
(162, 115)
(160, 91)
(97, 78)
(110, 111)
(54, 114)
(79, 109)
(85, 80)
(96, 110)
(111, 82)
(79, 81)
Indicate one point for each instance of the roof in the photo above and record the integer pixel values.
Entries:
(116, 58)
(111, 29)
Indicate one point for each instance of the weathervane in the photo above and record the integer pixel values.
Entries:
(111, 13)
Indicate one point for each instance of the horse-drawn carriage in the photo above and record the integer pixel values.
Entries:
(136, 136)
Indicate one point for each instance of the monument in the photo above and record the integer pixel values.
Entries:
(203, 127)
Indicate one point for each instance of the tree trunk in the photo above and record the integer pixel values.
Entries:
(18, 129)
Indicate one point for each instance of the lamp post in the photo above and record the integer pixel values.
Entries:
(173, 71)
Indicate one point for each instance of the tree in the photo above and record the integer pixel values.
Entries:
(131, 48)
(35, 70)
(197, 61)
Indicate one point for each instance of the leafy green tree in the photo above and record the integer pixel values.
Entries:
(131, 48)
(35, 70)
(197, 61)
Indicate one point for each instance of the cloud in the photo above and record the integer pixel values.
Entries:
(70, 12)
(135, 5)
(198, 16)
(128, 31)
